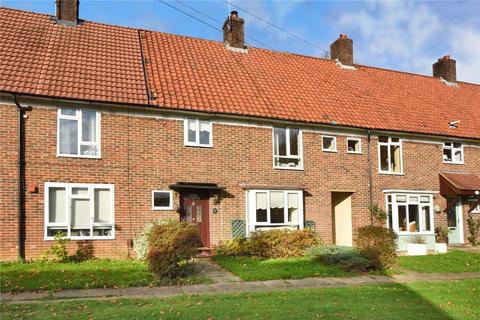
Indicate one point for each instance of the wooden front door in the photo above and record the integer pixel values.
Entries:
(195, 210)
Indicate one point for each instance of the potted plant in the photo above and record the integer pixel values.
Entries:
(441, 235)
(417, 247)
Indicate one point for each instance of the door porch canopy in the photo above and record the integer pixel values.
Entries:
(459, 184)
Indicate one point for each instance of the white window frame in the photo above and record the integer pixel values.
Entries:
(394, 203)
(251, 210)
(78, 118)
(453, 149)
(359, 140)
(68, 197)
(388, 144)
(287, 142)
(197, 133)
(170, 205)
(334, 144)
(477, 208)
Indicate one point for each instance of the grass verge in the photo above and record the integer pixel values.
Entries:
(455, 261)
(438, 300)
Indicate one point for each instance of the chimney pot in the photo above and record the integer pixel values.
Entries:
(234, 31)
(67, 11)
(445, 68)
(342, 49)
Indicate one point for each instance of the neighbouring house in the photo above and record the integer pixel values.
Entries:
(105, 128)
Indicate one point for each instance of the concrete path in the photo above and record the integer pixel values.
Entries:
(214, 272)
(230, 285)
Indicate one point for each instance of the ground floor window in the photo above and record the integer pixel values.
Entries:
(474, 205)
(81, 211)
(410, 213)
(275, 208)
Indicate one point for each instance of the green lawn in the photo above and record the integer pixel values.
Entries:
(251, 269)
(16, 276)
(454, 261)
(437, 300)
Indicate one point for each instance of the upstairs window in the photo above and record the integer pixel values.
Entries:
(198, 133)
(287, 148)
(81, 211)
(354, 145)
(453, 152)
(78, 133)
(390, 155)
(329, 144)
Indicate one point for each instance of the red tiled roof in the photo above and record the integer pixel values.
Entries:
(91, 61)
(193, 74)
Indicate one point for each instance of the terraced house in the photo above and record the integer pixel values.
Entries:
(104, 128)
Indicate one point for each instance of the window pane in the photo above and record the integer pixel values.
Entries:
(384, 158)
(452, 217)
(68, 136)
(280, 143)
(447, 155)
(395, 139)
(292, 207)
(353, 145)
(402, 218)
(88, 150)
(390, 217)
(102, 206)
(413, 198)
(457, 157)
(161, 199)
(205, 132)
(277, 211)
(80, 220)
(424, 199)
(383, 139)
(294, 141)
(89, 126)
(192, 130)
(395, 158)
(80, 191)
(261, 206)
(287, 162)
(198, 213)
(328, 143)
(457, 145)
(413, 218)
(426, 218)
(401, 198)
(68, 112)
(56, 206)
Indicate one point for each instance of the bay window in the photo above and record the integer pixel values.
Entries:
(81, 211)
(410, 213)
(287, 148)
(453, 152)
(390, 155)
(275, 208)
(78, 133)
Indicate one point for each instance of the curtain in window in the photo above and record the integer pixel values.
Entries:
(80, 214)
(294, 141)
(102, 213)
(192, 130)
(204, 132)
(68, 132)
(56, 206)
(395, 158)
(261, 206)
(88, 126)
(277, 213)
(280, 141)
(426, 218)
(384, 158)
(292, 199)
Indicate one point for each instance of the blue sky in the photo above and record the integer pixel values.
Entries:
(401, 35)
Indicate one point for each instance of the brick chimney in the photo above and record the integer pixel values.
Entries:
(67, 11)
(233, 31)
(342, 49)
(445, 68)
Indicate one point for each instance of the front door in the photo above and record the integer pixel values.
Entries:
(455, 223)
(195, 210)
(342, 218)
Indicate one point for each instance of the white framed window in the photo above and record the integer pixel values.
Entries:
(198, 133)
(78, 133)
(329, 143)
(453, 152)
(162, 200)
(81, 211)
(474, 205)
(410, 213)
(287, 148)
(354, 145)
(390, 155)
(275, 208)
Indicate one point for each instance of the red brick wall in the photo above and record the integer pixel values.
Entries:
(142, 154)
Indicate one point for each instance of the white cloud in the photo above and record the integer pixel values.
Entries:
(410, 36)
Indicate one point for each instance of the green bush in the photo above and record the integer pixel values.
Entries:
(276, 243)
(85, 251)
(348, 259)
(474, 230)
(140, 243)
(378, 245)
(170, 247)
(58, 252)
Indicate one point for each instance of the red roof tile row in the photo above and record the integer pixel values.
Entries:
(99, 62)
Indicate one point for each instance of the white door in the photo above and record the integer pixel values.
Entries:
(455, 223)
(342, 213)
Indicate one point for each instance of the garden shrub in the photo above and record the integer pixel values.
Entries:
(140, 243)
(85, 251)
(348, 259)
(275, 243)
(58, 252)
(170, 247)
(378, 245)
(474, 230)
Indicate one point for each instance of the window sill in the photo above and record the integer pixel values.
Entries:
(289, 168)
(78, 156)
(162, 208)
(351, 152)
(423, 233)
(331, 151)
(82, 238)
(454, 163)
(198, 145)
(391, 174)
